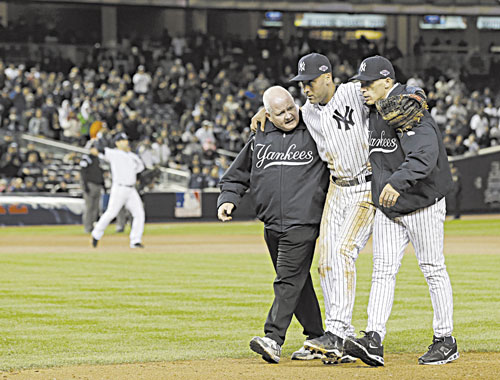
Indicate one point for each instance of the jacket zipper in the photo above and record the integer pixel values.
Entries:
(281, 182)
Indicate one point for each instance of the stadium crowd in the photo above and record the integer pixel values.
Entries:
(186, 103)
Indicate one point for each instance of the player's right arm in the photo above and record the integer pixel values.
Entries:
(259, 119)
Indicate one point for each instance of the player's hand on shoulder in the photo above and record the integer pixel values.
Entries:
(224, 212)
(259, 119)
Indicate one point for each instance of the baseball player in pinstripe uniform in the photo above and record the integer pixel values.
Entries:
(125, 165)
(411, 176)
(337, 121)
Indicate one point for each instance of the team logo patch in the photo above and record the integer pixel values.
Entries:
(323, 68)
(362, 67)
(302, 66)
(384, 73)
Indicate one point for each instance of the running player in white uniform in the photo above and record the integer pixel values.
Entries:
(411, 178)
(337, 121)
(125, 165)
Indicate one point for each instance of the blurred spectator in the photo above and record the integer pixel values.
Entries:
(145, 152)
(479, 123)
(29, 185)
(11, 161)
(32, 167)
(196, 181)
(212, 180)
(206, 137)
(61, 187)
(472, 147)
(161, 151)
(141, 80)
(39, 125)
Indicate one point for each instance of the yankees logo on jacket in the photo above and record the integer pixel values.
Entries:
(272, 159)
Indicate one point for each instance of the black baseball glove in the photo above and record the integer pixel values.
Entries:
(402, 112)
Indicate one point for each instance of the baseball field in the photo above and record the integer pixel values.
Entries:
(186, 306)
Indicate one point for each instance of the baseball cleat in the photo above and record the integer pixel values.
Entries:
(441, 351)
(327, 344)
(305, 354)
(268, 348)
(368, 348)
(137, 245)
(336, 360)
(94, 242)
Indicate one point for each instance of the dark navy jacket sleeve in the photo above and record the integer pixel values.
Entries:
(420, 146)
(236, 180)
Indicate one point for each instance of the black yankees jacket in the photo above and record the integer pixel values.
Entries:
(285, 175)
(414, 163)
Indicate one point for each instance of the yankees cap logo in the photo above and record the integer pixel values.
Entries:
(362, 67)
(302, 66)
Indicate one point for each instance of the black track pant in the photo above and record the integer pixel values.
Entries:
(292, 253)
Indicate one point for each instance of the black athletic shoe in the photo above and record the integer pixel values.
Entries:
(137, 245)
(94, 242)
(368, 348)
(441, 351)
(328, 344)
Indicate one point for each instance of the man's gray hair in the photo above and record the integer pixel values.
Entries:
(272, 92)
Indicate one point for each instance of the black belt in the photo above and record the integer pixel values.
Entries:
(350, 182)
(125, 185)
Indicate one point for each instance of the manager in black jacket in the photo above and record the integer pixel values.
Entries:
(411, 176)
(282, 168)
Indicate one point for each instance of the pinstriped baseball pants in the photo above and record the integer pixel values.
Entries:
(425, 229)
(346, 226)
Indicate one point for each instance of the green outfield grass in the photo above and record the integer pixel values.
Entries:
(124, 305)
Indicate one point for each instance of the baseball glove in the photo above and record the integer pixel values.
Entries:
(402, 112)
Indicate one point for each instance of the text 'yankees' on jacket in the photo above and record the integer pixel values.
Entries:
(285, 175)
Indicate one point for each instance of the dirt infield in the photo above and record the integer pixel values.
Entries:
(468, 366)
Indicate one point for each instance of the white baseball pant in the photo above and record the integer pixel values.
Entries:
(119, 196)
(425, 229)
(346, 226)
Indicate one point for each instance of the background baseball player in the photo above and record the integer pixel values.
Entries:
(411, 178)
(92, 183)
(124, 166)
(288, 180)
(336, 119)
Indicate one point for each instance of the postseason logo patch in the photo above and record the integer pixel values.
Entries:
(384, 73)
(323, 68)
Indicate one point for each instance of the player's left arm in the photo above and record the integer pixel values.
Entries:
(420, 145)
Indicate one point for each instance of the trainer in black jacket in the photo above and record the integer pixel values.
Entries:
(288, 181)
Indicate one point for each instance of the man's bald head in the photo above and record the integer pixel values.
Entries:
(280, 107)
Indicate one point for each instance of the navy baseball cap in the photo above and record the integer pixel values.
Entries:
(120, 136)
(373, 68)
(312, 66)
